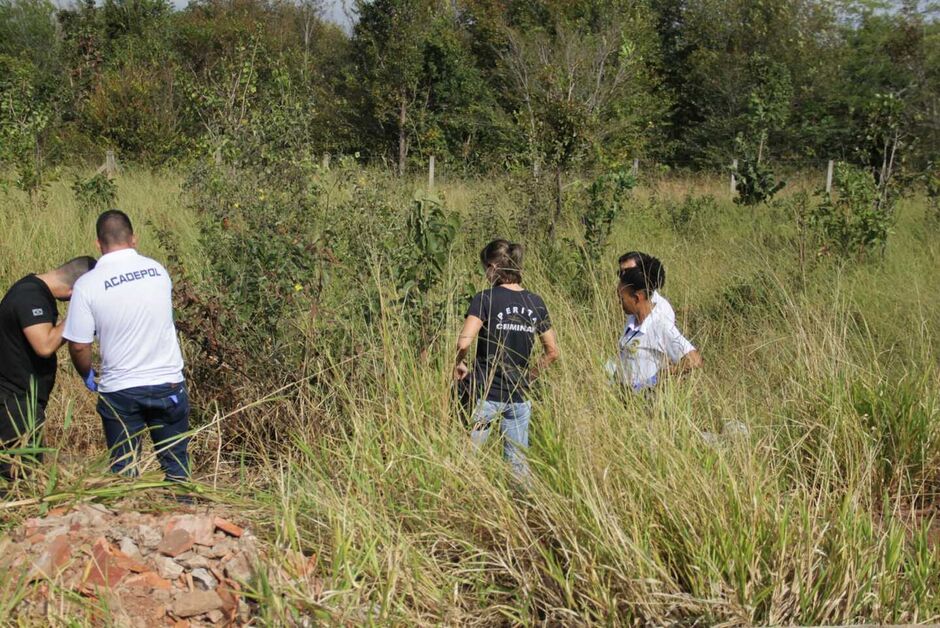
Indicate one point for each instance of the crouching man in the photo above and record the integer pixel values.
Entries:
(126, 301)
(30, 335)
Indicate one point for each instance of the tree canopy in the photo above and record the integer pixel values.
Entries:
(542, 85)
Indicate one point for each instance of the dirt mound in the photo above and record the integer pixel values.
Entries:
(136, 569)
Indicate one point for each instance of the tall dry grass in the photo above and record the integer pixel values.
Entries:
(821, 514)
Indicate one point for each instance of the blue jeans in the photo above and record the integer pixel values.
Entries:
(162, 410)
(514, 425)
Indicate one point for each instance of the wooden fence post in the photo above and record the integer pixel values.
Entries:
(734, 183)
(109, 167)
(110, 163)
(829, 170)
(431, 173)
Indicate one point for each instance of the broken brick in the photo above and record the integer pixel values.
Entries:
(229, 599)
(124, 561)
(200, 527)
(196, 603)
(54, 557)
(176, 542)
(102, 569)
(148, 580)
(228, 527)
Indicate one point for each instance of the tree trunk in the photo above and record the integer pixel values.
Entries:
(402, 136)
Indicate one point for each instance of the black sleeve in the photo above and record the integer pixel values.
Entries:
(479, 307)
(32, 308)
(545, 321)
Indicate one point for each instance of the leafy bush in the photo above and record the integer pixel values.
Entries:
(95, 193)
(420, 264)
(24, 118)
(756, 182)
(851, 222)
(606, 199)
(247, 315)
(933, 193)
(688, 216)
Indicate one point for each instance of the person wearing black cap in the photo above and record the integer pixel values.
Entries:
(30, 335)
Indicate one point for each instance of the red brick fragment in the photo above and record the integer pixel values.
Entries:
(229, 601)
(200, 527)
(56, 555)
(124, 561)
(228, 527)
(102, 569)
(148, 580)
(176, 542)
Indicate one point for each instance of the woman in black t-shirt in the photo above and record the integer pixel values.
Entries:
(507, 318)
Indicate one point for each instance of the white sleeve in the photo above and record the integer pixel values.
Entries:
(79, 322)
(674, 344)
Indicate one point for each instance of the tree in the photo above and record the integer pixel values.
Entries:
(23, 120)
(388, 47)
(580, 86)
(716, 58)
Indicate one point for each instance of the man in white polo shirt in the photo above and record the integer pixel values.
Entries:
(126, 302)
(650, 341)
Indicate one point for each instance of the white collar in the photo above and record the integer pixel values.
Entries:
(641, 329)
(116, 255)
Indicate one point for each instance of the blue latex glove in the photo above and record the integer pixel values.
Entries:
(637, 387)
(90, 381)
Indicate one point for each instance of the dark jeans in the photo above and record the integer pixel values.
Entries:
(20, 417)
(162, 410)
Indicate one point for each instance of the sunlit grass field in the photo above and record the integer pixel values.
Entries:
(823, 512)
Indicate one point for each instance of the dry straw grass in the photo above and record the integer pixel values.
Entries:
(821, 514)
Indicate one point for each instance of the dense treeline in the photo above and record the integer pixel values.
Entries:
(543, 85)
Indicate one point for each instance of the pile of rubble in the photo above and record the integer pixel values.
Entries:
(144, 569)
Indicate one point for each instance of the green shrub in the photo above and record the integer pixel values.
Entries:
(851, 222)
(933, 193)
(96, 193)
(607, 196)
(419, 265)
(688, 217)
(755, 182)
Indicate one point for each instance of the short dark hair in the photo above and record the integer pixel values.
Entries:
(70, 271)
(114, 227)
(651, 267)
(635, 280)
(630, 255)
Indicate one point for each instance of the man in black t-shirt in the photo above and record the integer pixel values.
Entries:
(30, 335)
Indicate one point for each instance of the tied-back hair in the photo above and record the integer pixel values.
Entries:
(506, 259)
(652, 268)
(70, 271)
